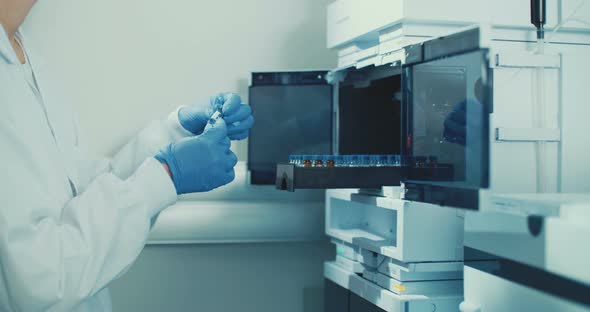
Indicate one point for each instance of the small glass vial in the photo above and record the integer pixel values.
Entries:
(421, 161)
(347, 160)
(355, 161)
(375, 161)
(330, 161)
(394, 160)
(365, 160)
(339, 161)
(306, 161)
(382, 161)
(318, 161)
(299, 160)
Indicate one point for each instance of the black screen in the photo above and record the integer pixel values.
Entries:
(290, 119)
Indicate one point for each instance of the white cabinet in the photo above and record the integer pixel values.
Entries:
(390, 25)
(349, 20)
(513, 163)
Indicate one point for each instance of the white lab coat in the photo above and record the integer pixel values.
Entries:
(62, 243)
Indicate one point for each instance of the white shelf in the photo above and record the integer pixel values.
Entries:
(242, 213)
(238, 222)
(353, 235)
(377, 201)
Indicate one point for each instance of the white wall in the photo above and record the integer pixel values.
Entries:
(127, 62)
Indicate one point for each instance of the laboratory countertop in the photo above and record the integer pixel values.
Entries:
(242, 213)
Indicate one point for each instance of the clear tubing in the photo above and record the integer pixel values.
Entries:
(540, 121)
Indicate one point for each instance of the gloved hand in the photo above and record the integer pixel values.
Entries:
(201, 163)
(238, 116)
(455, 125)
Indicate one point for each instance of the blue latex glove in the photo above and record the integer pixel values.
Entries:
(455, 125)
(238, 116)
(201, 163)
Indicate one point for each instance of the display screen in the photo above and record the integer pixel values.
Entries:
(290, 119)
(447, 104)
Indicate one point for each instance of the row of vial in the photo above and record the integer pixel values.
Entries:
(362, 161)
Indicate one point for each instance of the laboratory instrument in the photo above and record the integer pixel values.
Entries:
(476, 111)
(439, 81)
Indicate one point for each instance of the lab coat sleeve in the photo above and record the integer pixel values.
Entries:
(53, 262)
(145, 144)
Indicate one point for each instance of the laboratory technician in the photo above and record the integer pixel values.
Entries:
(69, 224)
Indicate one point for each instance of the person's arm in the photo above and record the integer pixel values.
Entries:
(53, 258)
(145, 144)
(56, 253)
(186, 121)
